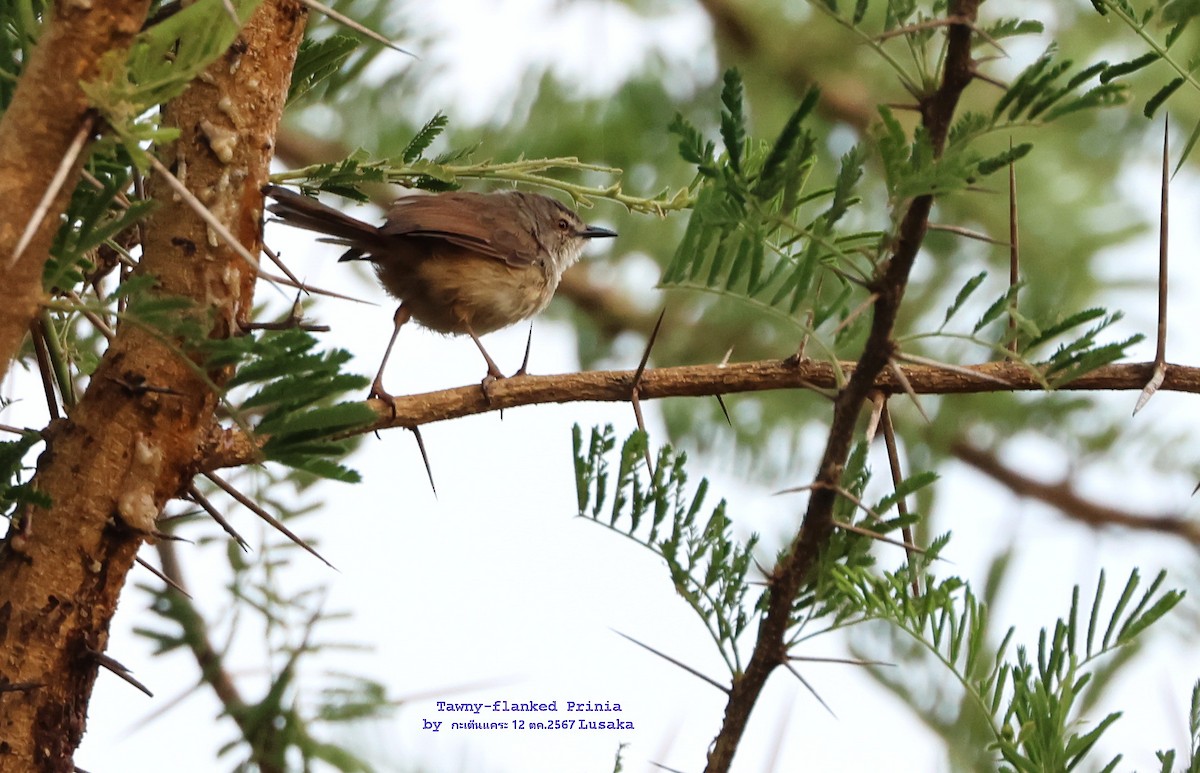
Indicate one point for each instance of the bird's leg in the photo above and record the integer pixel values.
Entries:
(402, 315)
(493, 369)
(494, 374)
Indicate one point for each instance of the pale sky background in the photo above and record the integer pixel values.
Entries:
(495, 583)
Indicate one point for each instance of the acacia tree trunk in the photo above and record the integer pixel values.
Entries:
(125, 450)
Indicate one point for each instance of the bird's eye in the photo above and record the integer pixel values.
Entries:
(563, 225)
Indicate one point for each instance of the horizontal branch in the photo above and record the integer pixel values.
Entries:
(759, 376)
(230, 448)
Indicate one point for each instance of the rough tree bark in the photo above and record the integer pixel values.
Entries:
(124, 451)
(47, 112)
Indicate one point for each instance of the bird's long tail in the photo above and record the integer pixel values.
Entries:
(304, 212)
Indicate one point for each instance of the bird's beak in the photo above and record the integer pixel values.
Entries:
(596, 232)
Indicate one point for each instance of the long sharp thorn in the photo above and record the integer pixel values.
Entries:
(271, 520)
(951, 368)
(204, 213)
(352, 24)
(637, 377)
(841, 661)
(199, 498)
(721, 400)
(967, 233)
(1156, 380)
(118, 669)
(780, 737)
(809, 687)
(155, 571)
(908, 389)
(673, 661)
(1160, 350)
(52, 190)
(1160, 353)
(425, 458)
(634, 396)
(724, 410)
(636, 401)
(278, 261)
(310, 289)
(37, 335)
(879, 537)
(1014, 250)
(524, 371)
(893, 452)
(661, 766)
(877, 402)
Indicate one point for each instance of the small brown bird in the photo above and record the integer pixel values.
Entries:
(459, 263)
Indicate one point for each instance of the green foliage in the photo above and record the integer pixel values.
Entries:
(96, 216)
(14, 485)
(707, 566)
(1031, 707)
(282, 725)
(317, 61)
(300, 422)
(1176, 16)
(302, 429)
(17, 36)
(1192, 763)
(1040, 91)
(1071, 359)
(424, 138)
(755, 232)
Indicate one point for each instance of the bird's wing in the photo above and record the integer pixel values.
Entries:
(492, 231)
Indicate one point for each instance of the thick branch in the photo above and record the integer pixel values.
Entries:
(46, 114)
(123, 453)
(797, 563)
